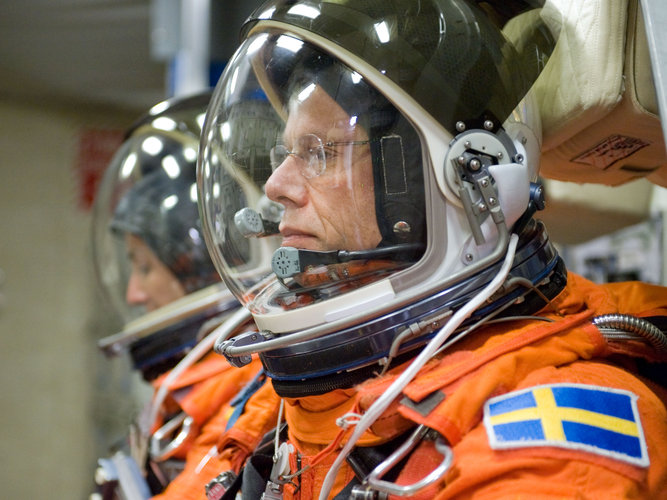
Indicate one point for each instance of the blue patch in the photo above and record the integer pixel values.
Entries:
(583, 417)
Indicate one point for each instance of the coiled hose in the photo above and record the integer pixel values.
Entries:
(625, 326)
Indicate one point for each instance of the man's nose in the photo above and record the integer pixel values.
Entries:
(135, 293)
(286, 185)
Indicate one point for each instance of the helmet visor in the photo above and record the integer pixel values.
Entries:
(464, 60)
(148, 246)
(331, 173)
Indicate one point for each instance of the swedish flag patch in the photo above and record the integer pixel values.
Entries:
(583, 417)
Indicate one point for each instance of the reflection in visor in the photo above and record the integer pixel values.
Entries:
(462, 69)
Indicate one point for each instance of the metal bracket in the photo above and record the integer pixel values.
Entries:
(248, 338)
(477, 210)
(373, 481)
(467, 164)
(159, 449)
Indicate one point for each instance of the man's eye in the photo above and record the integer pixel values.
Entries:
(329, 152)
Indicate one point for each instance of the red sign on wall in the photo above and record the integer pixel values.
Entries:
(95, 149)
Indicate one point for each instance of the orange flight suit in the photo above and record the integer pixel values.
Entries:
(232, 446)
(493, 361)
(204, 392)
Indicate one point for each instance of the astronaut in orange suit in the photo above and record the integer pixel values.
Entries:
(419, 327)
(155, 269)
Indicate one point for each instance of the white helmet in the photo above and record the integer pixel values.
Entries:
(149, 252)
(408, 145)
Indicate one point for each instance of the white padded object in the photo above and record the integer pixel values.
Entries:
(583, 80)
(596, 96)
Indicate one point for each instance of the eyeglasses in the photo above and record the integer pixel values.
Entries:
(310, 152)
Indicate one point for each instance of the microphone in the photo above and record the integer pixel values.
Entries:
(252, 225)
(288, 261)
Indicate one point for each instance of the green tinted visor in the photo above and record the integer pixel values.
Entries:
(461, 60)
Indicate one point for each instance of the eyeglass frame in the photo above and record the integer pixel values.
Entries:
(319, 156)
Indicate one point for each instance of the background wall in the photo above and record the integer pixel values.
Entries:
(50, 403)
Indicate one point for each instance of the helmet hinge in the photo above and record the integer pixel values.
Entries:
(477, 191)
(223, 347)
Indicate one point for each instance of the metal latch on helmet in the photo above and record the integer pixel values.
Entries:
(375, 488)
(477, 212)
(223, 347)
(471, 154)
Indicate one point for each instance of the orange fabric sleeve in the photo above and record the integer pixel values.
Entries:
(199, 468)
(481, 473)
(259, 417)
(201, 463)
